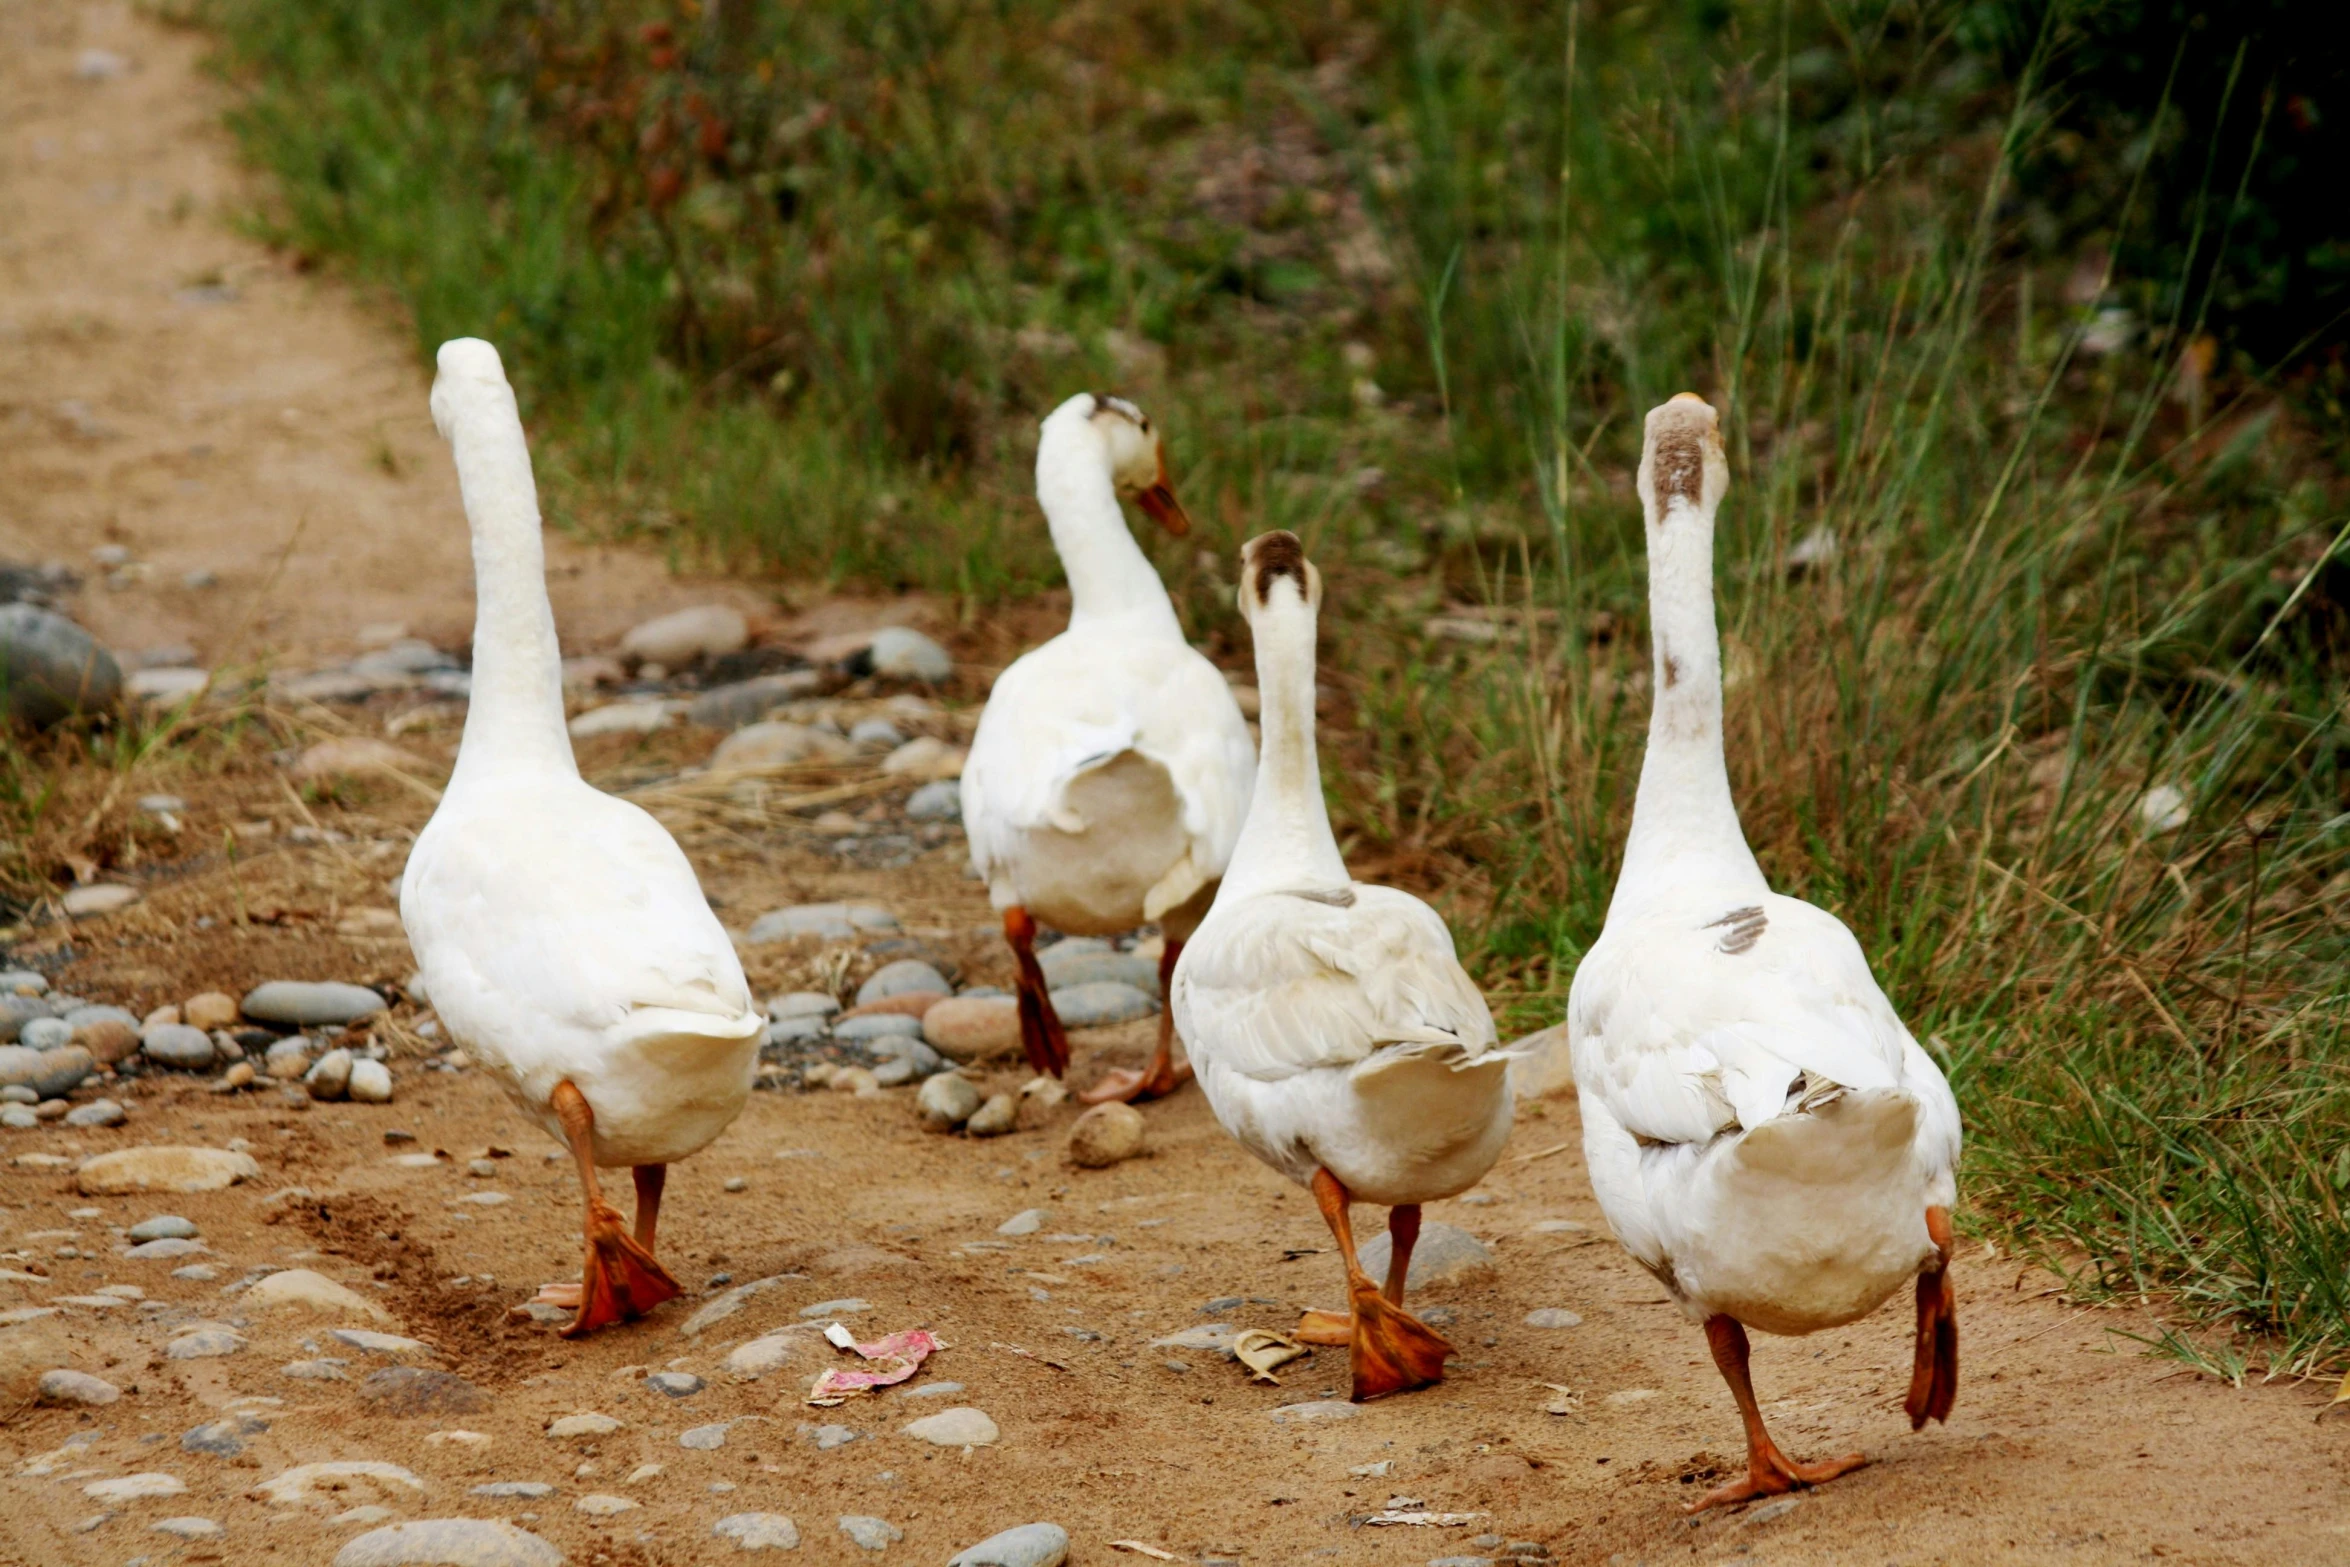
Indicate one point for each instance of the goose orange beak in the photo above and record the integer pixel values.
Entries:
(1160, 505)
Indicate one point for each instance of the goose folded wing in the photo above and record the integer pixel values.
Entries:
(1292, 985)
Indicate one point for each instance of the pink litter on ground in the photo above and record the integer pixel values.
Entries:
(893, 1359)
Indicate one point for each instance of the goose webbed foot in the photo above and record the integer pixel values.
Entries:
(1769, 1472)
(1933, 1381)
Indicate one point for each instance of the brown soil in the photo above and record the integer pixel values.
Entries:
(2068, 1444)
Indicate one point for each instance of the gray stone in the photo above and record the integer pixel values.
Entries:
(684, 635)
(1211, 1337)
(416, 1390)
(528, 1490)
(871, 1534)
(1105, 1134)
(932, 1390)
(1444, 1252)
(999, 1115)
(828, 1437)
(589, 1423)
(177, 1046)
(18, 1118)
(876, 732)
(330, 1077)
(947, 1101)
(767, 1354)
(1316, 1412)
(1768, 1511)
(704, 1439)
(135, 1488)
(375, 1343)
(88, 1017)
(51, 669)
(223, 1438)
(1460, 1561)
(371, 1083)
(45, 1033)
(169, 1249)
(940, 800)
(1026, 1222)
(1551, 1317)
(18, 1094)
(47, 1073)
(449, 1542)
(287, 1059)
(848, 1306)
(901, 653)
(18, 1010)
(1063, 968)
(832, 921)
(23, 982)
(904, 1061)
(795, 1030)
(878, 1025)
(758, 1531)
(324, 1370)
(76, 1387)
(164, 1227)
(204, 1344)
(1100, 1003)
(105, 1112)
(801, 1003)
(311, 1004)
(721, 1307)
(962, 1426)
(676, 1384)
(1030, 1545)
(197, 1273)
(188, 1528)
(748, 701)
(905, 977)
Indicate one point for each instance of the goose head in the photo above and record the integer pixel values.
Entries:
(1138, 460)
(1274, 572)
(1681, 459)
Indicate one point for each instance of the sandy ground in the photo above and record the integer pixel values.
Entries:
(168, 385)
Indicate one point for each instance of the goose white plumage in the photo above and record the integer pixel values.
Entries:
(1334, 1031)
(1107, 780)
(562, 934)
(1762, 1132)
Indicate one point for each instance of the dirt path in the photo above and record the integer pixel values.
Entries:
(171, 387)
(148, 360)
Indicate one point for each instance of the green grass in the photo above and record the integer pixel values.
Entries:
(1404, 277)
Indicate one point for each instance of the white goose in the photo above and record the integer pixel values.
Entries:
(1335, 1033)
(562, 935)
(1107, 780)
(1763, 1134)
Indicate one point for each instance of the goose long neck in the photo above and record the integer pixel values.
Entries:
(1110, 579)
(515, 718)
(1684, 820)
(1286, 844)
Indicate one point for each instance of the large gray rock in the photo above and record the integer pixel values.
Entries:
(1100, 1003)
(51, 669)
(905, 977)
(877, 1026)
(177, 1046)
(311, 1003)
(758, 1531)
(748, 701)
(1030, 1545)
(18, 1010)
(1444, 1253)
(900, 653)
(449, 1542)
(832, 921)
(47, 1073)
(1085, 968)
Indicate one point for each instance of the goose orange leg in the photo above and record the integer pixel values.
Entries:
(1768, 1471)
(1041, 1034)
(1390, 1350)
(1933, 1384)
(619, 1279)
(1162, 1077)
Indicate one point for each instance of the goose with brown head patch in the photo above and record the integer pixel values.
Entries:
(1334, 1030)
(1107, 780)
(1762, 1132)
